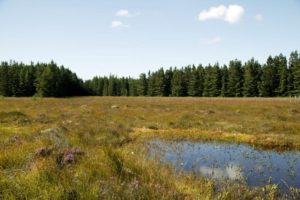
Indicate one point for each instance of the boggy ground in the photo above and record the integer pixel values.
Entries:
(94, 147)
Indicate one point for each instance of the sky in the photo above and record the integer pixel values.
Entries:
(129, 37)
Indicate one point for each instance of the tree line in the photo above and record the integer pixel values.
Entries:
(41, 79)
(279, 76)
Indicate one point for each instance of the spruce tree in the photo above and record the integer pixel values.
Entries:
(4, 80)
(160, 83)
(199, 89)
(177, 83)
(282, 70)
(235, 79)
(168, 82)
(216, 79)
(142, 85)
(207, 85)
(224, 82)
(294, 63)
(112, 86)
(105, 86)
(269, 79)
(194, 82)
(251, 78)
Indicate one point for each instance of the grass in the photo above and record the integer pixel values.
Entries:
(110, 133)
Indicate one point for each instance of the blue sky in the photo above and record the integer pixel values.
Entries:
(128, 37)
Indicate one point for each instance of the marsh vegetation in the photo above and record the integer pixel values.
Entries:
(96, 147)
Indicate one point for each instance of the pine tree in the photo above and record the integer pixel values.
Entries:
(14, 80)
(22, 82)
(235, 79)
(151, 84)
(105, 86)
(294, 63)
(282, 70)
(269, 79)
(111, 86)
(142, 85)
(124, 85)
(4, 79)
(30, 80)
(200, 85)
(47, 81)
(216, 80)
(207, 80)
(212, 81)
(132, 87)
(177, 83)
(251, 78)
(160, 83)
(265, 87)
(156, 83)
(224, 82)
(194, 82)
(168, 82)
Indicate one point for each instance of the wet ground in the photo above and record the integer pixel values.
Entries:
(237, 162)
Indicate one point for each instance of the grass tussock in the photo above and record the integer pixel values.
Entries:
(94, 148)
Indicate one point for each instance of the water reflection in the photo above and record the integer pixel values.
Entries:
(229, 172)
(230, 161)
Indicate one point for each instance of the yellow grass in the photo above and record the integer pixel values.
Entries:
(111, 132)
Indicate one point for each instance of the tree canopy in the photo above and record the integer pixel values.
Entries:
(279, 76)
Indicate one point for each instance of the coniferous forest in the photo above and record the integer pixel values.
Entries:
(279, 76)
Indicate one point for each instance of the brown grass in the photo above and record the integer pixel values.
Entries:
(107, 135)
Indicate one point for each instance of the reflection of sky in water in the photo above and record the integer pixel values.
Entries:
(231, 172)
(231, 161)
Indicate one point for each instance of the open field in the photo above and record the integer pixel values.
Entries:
(94, 147)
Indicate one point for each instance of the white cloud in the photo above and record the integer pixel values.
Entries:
(118, 24)
(231, 14)
(126, 13)
(213, 13)
(122, 13)
(258, 17)
(214, 40)
(234, 13)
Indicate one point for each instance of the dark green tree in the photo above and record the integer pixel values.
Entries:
(294, 79)
(282, 70)
(269, 79)
(224, 82)
(177, 83)
(194, 82)
(235, 79)
(252, 70)
(143, 85)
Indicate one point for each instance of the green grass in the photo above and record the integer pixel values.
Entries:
(113, 163)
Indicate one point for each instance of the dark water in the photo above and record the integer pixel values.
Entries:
(231, 161)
